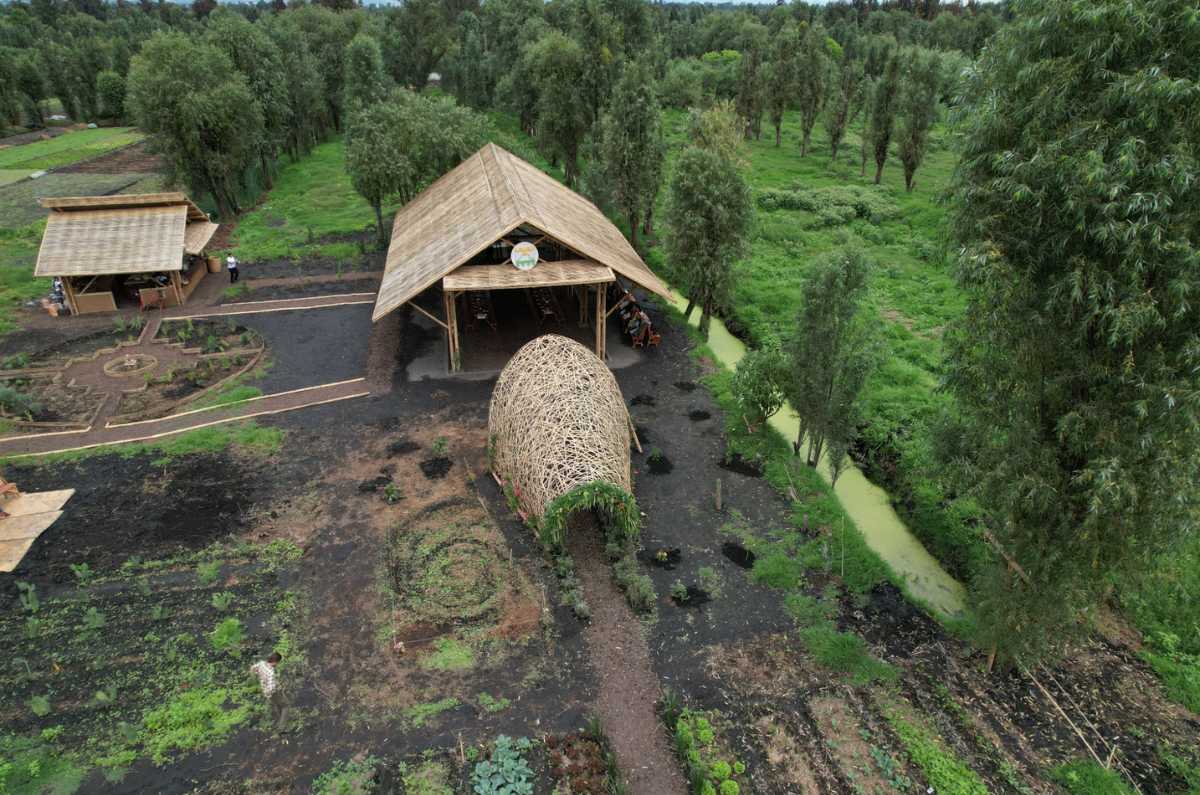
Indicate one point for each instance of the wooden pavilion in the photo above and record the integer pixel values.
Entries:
(146, 249)
(461, 231)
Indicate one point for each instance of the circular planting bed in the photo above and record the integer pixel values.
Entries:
(446, 568)
(129, 365)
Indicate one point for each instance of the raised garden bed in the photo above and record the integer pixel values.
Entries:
(183, 388)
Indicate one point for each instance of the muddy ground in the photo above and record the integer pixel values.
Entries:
(366, 685)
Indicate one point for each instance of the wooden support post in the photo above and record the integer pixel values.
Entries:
(581, 293)
(175, 284)
(450, 299)
(717, 496)
(69, 289)
(601, 320)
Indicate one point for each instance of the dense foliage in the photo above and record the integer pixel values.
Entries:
(1075, 364)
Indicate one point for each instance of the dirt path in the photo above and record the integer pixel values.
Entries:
(629, 689)
(323, 278)
(278, 305)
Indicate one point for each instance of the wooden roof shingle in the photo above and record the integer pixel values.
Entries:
(481, 200)
(105, 235)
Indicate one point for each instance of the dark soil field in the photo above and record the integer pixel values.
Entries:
(421, 620)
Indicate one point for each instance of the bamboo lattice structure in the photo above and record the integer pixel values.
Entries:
(557, 421)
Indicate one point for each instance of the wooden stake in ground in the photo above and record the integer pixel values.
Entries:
(717, 497)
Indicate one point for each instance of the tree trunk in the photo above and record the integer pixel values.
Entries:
(804, 143)
(864, 154)
(633, 228)
(878, 170)
(833, 147)
(648, 226)
(705, 321)
(268, 180)
(778, 137)
(816, 444)
(379, 224)
(688, 313)
(908, 179)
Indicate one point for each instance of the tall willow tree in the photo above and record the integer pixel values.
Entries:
(846, 99)
(882, 122)
(631, 145)
(781, 74)
(1076, 365)
(365, 81)
(829, 356)
(564, 110)
(199, 113)
(708, 220)
(917, 108)
(812, 83)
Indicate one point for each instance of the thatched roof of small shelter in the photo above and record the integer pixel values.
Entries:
(99, 235)
(557, 421)
(484, 198)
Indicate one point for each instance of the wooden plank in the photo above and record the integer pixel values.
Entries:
(429, 315)
(29, 526)
(37, 502)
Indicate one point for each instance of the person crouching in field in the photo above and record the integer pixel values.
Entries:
(268, 680)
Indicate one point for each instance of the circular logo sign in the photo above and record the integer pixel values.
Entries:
(524, 256)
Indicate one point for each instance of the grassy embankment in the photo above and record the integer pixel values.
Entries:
(914, 295)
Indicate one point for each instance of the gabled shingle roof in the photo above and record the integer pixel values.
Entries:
(484, 198)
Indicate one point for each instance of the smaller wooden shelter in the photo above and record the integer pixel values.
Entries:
(145, 249)
(462, 231)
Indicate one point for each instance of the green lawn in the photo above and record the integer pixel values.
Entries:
(312, 199)
(66, 149)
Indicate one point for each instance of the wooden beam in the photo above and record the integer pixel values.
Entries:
(429, 315)
(601, 318)
(624, 299)
(177, 287)
(451, 300)
(70, 291)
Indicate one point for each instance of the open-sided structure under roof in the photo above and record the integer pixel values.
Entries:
(486, 197)
(107, 235)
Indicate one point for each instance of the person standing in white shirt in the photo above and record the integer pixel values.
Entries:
(268, 680)
(232, 263)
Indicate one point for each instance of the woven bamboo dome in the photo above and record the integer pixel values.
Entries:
(559, 435)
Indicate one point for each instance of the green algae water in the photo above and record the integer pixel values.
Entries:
(866, 504)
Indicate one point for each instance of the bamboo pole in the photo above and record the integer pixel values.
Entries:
(601, 320)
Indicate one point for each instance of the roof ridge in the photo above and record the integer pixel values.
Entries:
(528, 211)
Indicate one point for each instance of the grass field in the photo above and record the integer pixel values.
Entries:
(66, 149)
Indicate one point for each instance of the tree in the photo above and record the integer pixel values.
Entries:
(379, 167)
(564, 114)
(830, 354)
(846, 102)
(364, 82)
(718, 130)
(303, 85)
(781, 75)
(327, 34)
(750, 83)
(397, 147)
(198, 112)
(917, 108)
(708, 219)
(883, 114)
(812, 85)
(758, 384)
(418, 35)
(111, 88)
(598, 35)
(631, 145)
(257, 57)
(1075, 362)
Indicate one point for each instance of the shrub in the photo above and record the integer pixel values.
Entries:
(845, 652)
(1088, 778)
(347, 777)
(191, 720)
(695, 742)
(638, 588)
(506, 772)
(207, 573)
(757, 384)
(778, 570)
(228, 635)
(18, 403)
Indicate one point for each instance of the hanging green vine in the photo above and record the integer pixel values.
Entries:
(598, 494)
